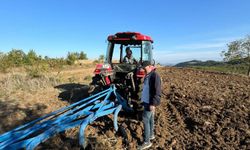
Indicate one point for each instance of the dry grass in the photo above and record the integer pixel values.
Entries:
(24, 98)
(21, 82)
(75, 75)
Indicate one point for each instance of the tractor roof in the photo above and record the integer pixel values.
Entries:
(130, 37)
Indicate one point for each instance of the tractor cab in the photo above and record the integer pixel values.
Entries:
(122, 66)
(128, 45)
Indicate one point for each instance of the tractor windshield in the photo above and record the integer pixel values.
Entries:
(135, 52)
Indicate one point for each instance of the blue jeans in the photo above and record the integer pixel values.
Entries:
(148, 123)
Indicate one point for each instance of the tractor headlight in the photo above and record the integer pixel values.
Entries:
(106, 69)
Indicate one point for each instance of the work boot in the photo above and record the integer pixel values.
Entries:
(145, 145)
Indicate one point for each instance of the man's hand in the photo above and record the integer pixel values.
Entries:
(152, 108)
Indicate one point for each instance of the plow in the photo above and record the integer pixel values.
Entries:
(79, 114)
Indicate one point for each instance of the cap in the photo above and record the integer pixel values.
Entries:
(145, 64)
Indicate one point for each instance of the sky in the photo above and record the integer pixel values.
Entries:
(182, 30)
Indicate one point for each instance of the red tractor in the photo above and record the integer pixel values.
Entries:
(124, 74)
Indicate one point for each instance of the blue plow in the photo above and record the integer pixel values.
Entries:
(81, 113)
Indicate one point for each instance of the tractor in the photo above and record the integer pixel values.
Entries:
(126, 77)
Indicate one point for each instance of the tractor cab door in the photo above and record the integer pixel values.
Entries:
(147, 54)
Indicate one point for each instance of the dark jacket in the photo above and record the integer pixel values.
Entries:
(154, 89)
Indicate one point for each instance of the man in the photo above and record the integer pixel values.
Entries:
(151, 94)
(129, 58)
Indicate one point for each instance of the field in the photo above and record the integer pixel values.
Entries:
(199, 109)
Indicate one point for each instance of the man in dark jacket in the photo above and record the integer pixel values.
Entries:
(151, 94)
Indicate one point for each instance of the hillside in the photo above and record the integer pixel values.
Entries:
(240, 66)
(193, 63)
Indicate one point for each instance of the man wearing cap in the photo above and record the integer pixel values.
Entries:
(151, 94)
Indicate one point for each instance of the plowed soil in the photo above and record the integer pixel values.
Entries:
(199, 110)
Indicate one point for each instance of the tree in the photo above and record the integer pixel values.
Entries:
(46, 57)
(31, 57)
(83, 56)
(72, 57)
(16, 57)
(101, 58)
(238, 50)
(246, 48)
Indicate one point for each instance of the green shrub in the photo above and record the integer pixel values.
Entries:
(31, 58)
(37, 70)
(16, 57)
(3, 62)
(83, 56)
(96, 61)
(34, 63)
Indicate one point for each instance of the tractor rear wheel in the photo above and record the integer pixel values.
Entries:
(96, 85)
